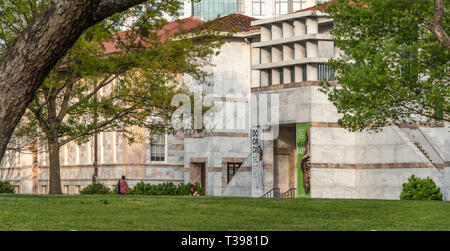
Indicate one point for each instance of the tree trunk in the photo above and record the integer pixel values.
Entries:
(54, 175)
(29, 59)
(436, 26)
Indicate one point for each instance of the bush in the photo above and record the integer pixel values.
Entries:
(96, 188)
(420, 189)
(164, 189)
(6, 187)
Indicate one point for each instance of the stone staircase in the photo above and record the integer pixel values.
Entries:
(439, 167)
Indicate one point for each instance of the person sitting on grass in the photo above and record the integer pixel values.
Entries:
(194, 191)
(123, 186)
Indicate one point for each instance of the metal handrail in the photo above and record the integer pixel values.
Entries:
(289, 194)
(273, 193)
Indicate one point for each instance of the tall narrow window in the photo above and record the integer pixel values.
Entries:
(270, 77)
(258, 7)
(304, 73)
(232, 168)
(281, 75)
(158, 148)
(281, 7)
(298, 4)
(325, 73)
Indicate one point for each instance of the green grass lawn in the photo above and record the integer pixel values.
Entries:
(113, 212)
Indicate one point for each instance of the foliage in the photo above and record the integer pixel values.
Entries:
(420, 189)
(6, 187)
(96, 188)
(120, 74)
(392, 69)
(164, 189)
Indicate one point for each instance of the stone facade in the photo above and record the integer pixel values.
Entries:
(292, 51)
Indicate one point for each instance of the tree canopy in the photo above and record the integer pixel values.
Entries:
(393, 69)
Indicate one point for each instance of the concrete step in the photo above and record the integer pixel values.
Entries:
(428, 156)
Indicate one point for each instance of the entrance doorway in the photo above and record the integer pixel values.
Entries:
(198, 174)
(285, 161)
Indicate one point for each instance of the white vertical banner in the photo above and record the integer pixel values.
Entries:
(257, 162)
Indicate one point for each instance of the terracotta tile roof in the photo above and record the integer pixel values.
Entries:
(169, 29)
(234, 22)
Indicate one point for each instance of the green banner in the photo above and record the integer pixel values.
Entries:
(301, 140)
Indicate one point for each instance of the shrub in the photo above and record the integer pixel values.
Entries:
(420, 189)
(6, 187)
(96, 188)
(164, 189)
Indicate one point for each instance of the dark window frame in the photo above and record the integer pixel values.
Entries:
(232, 168)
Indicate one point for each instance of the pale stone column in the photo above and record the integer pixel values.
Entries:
(77, 157)
(287, 75)
(266, 56)
(288, 30)
(89, 152)
(298, 73)
(299, 27)
(300, 51)
(311, 72)
(277, 32)
(288, 53)
(266, 34)
(66, 155)
(277, 54)
(100, 142)
(264, 78)
(311, 49)
(276, 77)
(114, 147)
(312, 25)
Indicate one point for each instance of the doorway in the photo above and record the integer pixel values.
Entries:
(198, 174)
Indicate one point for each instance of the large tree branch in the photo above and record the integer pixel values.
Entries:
(436, 27)
(38, 48)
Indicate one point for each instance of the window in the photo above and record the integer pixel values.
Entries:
(258, 7)
(232, 168)
(270, 77)
(158, 148)
(72, 153)
(304, 72)
(298, 4)
(119, 150)
(292, 74)
(83, 153)
(209, 9)
(325, 73)
(181, 9)
(281, 7)
(281, 75)
(107, 147)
